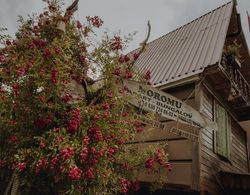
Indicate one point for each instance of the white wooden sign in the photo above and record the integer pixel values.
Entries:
(151, 99)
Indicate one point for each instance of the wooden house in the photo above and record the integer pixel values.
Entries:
(202, 64)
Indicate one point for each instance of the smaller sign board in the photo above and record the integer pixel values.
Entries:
(193, 135)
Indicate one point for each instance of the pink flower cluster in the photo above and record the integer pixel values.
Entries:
(53, 162)
(67, 153)
(43, 122)
(96, 133)
(111, 152)
(117, 71)
(116, 43)
(74, 123)
(42, 98)
(78, 24)
(75, 173)
(16, 88)
(13, 139)
(128, 74)
(42, 144)
(46, 52)
(20, 71)
(54, 75)
(41, 163)
(149, 163)
(22, 166)
(84, 154)
(105, 106)
(90, 173)
(124, 58)
(161, 161)
(158, 157)
(67, 98)
(147, 75)
(136, 185)
(95, 21)
(86, 140)
(39, 43)
(58, 50)
(125, 185)
(2, 59)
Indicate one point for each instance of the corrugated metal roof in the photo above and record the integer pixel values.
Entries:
(187, 50)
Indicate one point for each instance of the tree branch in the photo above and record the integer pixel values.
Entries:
(143, 44)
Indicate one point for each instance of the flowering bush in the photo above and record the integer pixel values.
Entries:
(58, 141)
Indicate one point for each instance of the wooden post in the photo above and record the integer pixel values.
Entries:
(196, 146)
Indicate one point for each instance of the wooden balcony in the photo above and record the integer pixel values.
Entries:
(240, 88)
(227, 80)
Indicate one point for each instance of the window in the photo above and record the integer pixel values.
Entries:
(223, 133)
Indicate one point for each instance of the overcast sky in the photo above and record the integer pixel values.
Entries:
(128, 15)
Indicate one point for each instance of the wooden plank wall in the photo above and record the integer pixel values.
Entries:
(180, 149)
(211, 163)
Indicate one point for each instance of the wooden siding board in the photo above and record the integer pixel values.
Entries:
(180, 149)
(210, 161)
(180, 174)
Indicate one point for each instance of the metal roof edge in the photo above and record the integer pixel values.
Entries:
(221, 51)
(176, 82)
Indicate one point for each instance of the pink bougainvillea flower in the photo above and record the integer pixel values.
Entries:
(78, 24)
(2, 59)
(86, 140)
(147, 75)
(125, 185)
(67, 98)
(67, 153)
(90, 174)
(20, 71)
(117, 71)
(54, 75)
(84, 154)
(75, 173)
(16, 88)
(42, 145)
(58, 50)
(13, 139)
(105, 106)
(21, 166)
(116, 43)
(128, 74)
(95, 21)
(46, 52)
(74, 123)
(42, 98)
(136, 56)
(149, 163)
(41, 163)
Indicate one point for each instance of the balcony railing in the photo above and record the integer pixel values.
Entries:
(230, 67)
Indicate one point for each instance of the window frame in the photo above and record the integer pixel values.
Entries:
(222, 146)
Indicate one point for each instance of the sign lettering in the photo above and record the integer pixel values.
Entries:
(166, 105)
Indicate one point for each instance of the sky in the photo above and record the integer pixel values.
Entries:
(128, 16)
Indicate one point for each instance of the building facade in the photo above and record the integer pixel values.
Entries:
(206, 64)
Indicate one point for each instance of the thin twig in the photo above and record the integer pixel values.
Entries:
(143, 44)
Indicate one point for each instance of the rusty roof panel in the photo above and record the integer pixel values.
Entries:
(187, 50)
